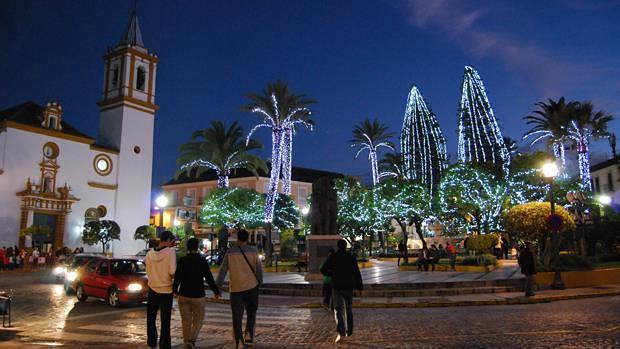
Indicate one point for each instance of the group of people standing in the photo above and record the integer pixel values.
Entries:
(185, 280)
(11, 257)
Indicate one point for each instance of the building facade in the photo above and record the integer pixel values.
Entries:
(606, 177)
(54, 176)
(185, 195)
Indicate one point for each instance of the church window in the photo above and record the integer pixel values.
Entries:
(115, 73)
(141, 79)
(48, 184)
(91, 215)
(50, 150)
(103, 211)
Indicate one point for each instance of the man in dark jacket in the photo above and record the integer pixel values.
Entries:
(528, 267)
(192, 271)
(345, 274)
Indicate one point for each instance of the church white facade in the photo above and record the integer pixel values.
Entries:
(55, 176)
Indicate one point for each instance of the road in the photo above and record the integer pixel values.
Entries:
(45, 316)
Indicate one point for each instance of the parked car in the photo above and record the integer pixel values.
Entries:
(117, 281)
(69, 267)
(141, 255)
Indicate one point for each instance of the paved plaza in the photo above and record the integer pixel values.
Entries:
(45, 317)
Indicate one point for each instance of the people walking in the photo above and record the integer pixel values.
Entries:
(346, 277)
(422, 260)
(401, 252)
(327, 286)
(191, 273)
(527, 262)
(246, 275)
(435, 256)
(451, 252)
(161, 263)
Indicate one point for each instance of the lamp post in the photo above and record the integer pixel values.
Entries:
(550, 170)
(162, 202)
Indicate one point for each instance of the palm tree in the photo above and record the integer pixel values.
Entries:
(587, 124)
(281, 110)
(391, 166)
(512, 146)
(551, 122)
(371, 136)
(219, 149)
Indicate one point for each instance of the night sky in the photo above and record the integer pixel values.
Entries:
(357, 58)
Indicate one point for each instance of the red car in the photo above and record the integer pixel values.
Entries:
(115, 280)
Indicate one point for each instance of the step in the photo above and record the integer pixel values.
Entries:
(404, 286)
(318, 292)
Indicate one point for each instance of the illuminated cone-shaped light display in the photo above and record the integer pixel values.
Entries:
(423, 146)
(480, 139)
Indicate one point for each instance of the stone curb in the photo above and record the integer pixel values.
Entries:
(509, 301)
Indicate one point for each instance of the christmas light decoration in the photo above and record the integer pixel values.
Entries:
(582, 136)
(480, 138)
(283, 129)
(371, 135)
(423, 146)
(473, 198)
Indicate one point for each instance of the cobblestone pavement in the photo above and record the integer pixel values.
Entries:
(45, 317)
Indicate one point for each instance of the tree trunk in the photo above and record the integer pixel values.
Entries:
(222, 180)
(403, 228)
(287, 154)
(276, 163)
(418, 230)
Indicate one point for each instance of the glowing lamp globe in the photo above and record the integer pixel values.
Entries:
(604, 199)
(305, 210)
(161, 201)
(550, 170)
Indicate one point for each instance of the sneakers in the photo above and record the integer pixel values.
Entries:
(338, 339)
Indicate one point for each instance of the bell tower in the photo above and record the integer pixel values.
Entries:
(127, 118)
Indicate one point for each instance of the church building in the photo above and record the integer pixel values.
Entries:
(56, 177)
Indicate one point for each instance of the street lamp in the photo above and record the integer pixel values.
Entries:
(305, 210)
(162, 202)
(550, 170)
(604, 199)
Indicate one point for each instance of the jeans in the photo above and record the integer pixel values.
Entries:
(240, 301)
(343, 309)
(161, 302)
(529, 284)
(192, 313)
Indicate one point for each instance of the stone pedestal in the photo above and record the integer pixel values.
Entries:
(318, 247)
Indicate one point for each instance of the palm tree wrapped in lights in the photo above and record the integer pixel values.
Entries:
(281, 111)
(587, 124)
(371, 136)
(551, 123)
(221, 150)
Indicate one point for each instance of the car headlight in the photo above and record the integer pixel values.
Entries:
(59, 270)
(71, 275)
(134, 287)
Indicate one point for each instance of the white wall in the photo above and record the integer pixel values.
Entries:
(22, 158)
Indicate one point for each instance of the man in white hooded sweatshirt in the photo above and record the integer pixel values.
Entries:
(161, 263)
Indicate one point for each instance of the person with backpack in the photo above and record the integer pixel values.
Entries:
(346, 277)
(192, 271)
(327, 286)
(246, 275)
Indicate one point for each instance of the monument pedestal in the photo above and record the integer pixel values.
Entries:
(318, 248)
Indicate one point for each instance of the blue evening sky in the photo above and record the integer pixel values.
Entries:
(357, 58)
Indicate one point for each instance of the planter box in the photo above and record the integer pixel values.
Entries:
(584, 278)
(459, 268)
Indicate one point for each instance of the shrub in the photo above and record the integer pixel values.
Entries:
(569, 262)
(529, 221)
(485, 259)
(481, 243)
